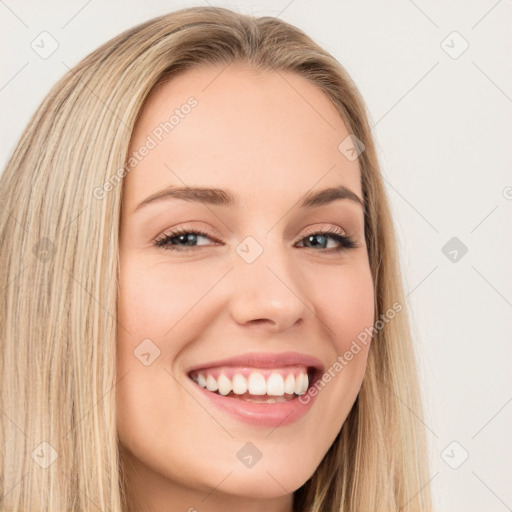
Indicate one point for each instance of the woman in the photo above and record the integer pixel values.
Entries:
(269, 366)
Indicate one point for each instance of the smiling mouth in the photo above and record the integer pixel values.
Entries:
(257, 385)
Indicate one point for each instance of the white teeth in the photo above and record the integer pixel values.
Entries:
(277, 399)
(211, 384)
(239, 384)
(289, 384)
(224, 385)
(298, 384)
(275, 385)
(201, 380)
(305, 383)
(301, 384)
(257, 384)
(271, 400)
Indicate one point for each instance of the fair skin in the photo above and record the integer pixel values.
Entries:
(270, 141)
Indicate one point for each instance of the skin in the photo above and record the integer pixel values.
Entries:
(270, 138)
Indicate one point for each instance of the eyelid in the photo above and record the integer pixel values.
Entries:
(185, 228)
(173, 232)
(340, 235)
(331, 229)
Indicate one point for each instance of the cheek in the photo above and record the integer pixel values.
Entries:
(346, 308)
(162, 303)
(156, 297)
(346, 302)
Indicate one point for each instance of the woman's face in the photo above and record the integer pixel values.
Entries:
(248, 294)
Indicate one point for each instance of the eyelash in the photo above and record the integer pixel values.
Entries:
(334, 233)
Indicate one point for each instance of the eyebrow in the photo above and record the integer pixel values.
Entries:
(222, 197)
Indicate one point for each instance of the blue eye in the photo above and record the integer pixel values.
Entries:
(175, 239)
(322, 237)
(184, 239)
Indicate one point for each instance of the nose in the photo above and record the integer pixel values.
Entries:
(269, 292)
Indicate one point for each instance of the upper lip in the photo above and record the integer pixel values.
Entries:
(264, 360)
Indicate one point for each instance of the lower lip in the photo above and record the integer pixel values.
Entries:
(274, 415)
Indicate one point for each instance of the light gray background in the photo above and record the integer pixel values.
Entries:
(443, 131)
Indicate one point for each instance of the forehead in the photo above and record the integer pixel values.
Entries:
(259, 133)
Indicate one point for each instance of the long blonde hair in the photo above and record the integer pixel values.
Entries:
(59, 276)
